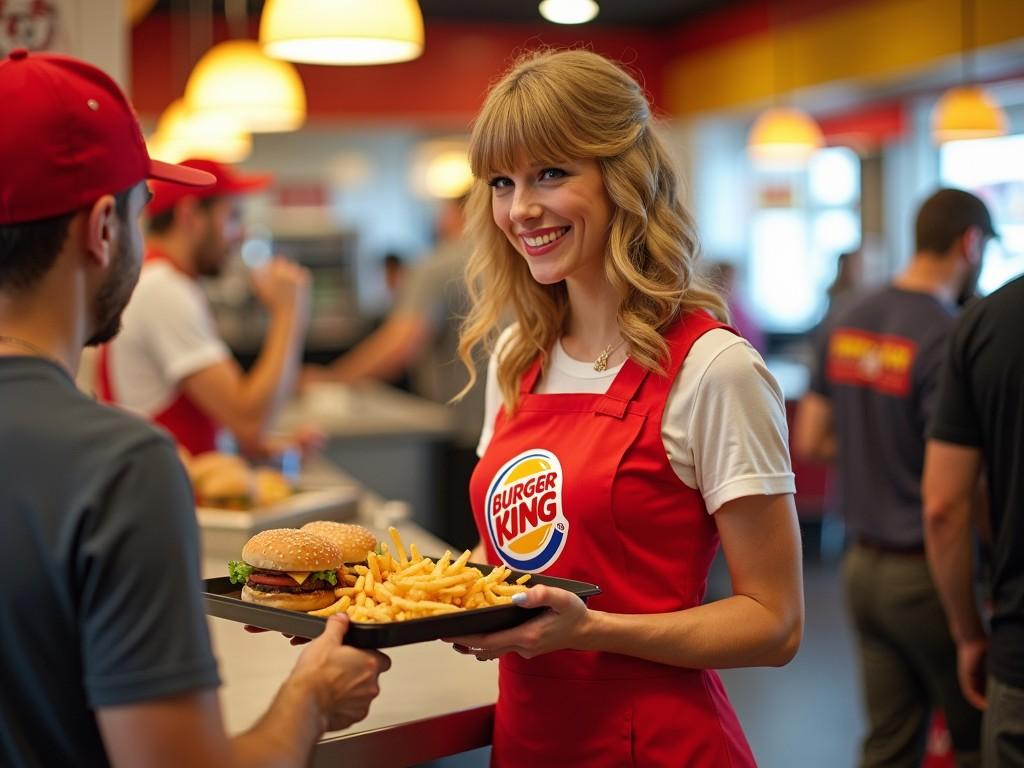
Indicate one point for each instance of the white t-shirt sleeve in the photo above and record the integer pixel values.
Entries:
(180, 329)
(724, 426)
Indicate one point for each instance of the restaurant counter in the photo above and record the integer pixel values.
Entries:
(434, 702)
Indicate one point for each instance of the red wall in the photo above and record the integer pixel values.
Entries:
(445, 86)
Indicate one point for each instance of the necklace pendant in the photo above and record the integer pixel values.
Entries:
(601, 364)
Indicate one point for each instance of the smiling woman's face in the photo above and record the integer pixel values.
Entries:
(556, 216)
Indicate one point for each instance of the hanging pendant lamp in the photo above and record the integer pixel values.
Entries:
(569, 11)
(181, 134)
(784, 136)
(236, 78)
(342, 31)
(967, 112)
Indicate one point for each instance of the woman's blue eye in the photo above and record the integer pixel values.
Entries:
(552, 173)
(500, 182)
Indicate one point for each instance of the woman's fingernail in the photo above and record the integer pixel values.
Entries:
(519, 598)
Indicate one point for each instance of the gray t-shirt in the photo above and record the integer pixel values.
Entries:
(436, 290)
(100, 600)
(878, 364)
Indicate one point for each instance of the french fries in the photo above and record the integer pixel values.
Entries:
(403, 586)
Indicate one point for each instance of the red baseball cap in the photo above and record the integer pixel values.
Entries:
(70, 137)
(227, 181)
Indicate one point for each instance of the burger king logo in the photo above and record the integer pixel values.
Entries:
(524, 511)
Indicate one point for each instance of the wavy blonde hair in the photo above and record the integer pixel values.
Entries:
(558, 106)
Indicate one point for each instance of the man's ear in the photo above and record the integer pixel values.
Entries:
(101, 230)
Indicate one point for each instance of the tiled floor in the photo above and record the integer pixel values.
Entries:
(804, 715)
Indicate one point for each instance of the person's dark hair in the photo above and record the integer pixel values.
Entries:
(945, 216)
(163, 221)
(29, 249)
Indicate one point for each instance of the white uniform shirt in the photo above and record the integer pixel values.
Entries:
(724, 426)
(167, 334)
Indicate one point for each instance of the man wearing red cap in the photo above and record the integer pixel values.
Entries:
(106, 653)
(170, 365)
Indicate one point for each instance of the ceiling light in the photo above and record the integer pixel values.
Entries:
(181, 134)
(967, 112)
(236, 78)
(568, 11)
(342, 31)
(784, 136)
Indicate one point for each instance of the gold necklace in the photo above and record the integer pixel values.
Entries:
(601, 364)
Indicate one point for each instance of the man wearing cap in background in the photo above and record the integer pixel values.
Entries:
(871, 395)
(106, 653)
(170, 365)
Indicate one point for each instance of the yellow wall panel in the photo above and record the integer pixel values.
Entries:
(875, 40)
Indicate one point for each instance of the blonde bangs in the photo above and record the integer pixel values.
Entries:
(521, 122)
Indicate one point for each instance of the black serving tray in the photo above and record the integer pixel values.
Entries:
(223, 599)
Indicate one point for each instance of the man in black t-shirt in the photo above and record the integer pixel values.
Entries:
(105, 649)
(979, 423)
(871, 395)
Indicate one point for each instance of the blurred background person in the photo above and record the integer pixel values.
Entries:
(979, 427)
(170, 365)
(872, 392)
(419, 338)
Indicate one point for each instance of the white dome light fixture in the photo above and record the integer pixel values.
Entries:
(346, 32)
(569, 11)
(236, 78)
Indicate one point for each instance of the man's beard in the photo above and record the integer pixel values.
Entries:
(210, 256)
(113, 295)
(969, 288)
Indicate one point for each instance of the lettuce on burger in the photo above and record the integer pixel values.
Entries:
(287, 568)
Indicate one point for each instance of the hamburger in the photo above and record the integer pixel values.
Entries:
(222, 480)
(287, 568)
(354, 541)
(272, 487)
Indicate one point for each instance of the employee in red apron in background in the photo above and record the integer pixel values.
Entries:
(169, 364)
(628, 431)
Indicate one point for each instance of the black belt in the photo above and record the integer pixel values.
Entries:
(875, 545)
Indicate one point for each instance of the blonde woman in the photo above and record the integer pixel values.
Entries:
(627, 432)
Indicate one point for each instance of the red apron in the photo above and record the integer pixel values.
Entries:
(579, 486)
(186, 422)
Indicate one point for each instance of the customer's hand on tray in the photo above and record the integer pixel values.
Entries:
(558, 628)
(344, 679)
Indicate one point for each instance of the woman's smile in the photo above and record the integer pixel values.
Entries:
(538, 242)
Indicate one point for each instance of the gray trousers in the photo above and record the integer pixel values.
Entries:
(1003, 729)
(908, 660)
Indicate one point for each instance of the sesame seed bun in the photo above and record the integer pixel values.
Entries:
(354, 541)
(289, 549)
(305, 601)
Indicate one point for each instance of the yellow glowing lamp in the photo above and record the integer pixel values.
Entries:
(967, 112)
(568, 11)
(342, 31)
(784, 136)
(236, 78)
(181, 134)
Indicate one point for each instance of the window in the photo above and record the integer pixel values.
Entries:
(993, 169)
(802, 221)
